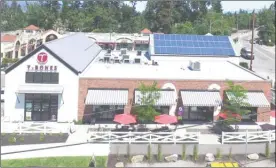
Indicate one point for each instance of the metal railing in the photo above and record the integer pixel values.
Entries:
(248, 137)
(32, 127)
(143, 137)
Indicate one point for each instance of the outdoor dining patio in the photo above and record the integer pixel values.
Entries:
(128, 123)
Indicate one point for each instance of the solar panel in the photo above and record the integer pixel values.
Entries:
(192, 44)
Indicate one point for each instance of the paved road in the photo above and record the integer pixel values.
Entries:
(264, 62)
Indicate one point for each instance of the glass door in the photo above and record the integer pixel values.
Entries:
(45, 108)
(36, 110)
(37, 107)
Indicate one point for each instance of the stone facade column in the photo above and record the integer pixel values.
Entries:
(217, 110)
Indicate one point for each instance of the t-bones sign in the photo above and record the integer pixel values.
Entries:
(42, 59)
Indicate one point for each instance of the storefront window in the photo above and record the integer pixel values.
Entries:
(42, 77)
(162, 109)
(106, 113)
(198, 113)
(251, 116)
(41, 107)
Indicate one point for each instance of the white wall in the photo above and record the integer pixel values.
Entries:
(7, 47)
(68, 79)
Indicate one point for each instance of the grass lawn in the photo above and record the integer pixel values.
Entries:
(74, 161)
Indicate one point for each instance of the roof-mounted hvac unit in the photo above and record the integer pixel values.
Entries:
(107, 54)
(123, 51)
(194, 66)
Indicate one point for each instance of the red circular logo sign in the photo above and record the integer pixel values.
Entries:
(42, 58)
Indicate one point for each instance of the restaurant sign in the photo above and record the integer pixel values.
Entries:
(41, 68)
(42, 59)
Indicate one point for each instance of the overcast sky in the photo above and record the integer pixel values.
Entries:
(228, 6)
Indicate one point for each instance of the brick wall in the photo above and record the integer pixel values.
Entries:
(263, 114)
(131, 84)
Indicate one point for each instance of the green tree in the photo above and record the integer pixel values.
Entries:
(159, 15)
(266, 21)
(149, 96)
(217, 7)
(235, 104)
(12, 16)
(186, 28)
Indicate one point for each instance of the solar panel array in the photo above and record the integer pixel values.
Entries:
(177, 44)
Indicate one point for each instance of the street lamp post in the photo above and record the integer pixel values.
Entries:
(253, 22)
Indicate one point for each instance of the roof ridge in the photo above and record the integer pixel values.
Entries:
(253, 73)
(63, 37)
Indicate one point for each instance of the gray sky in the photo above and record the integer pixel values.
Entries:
(228, 6)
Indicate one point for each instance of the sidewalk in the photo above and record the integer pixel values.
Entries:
(77, 150)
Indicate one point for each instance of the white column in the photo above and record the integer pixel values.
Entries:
(217, 110)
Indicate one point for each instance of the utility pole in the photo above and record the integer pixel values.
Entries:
(237, 20)
(253, 22)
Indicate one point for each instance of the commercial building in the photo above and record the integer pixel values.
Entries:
(17, 44)
(74, 78)
(43, 86)
(201, 92)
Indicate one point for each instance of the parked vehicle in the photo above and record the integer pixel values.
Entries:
(254, 41)
(246, 53)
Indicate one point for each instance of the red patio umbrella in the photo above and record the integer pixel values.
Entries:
(165, 119)
(225, 115)
(125, 119)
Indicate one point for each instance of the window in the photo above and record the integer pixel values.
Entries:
(251, 116)
(38, 77)
(54, 78)
(162, 109)
(198, 113)
(42, 77)
(46, 78)
(106, 113)
(29, 78)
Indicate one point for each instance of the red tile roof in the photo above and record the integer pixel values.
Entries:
(31, 27)
(146, 31)
(8, 38)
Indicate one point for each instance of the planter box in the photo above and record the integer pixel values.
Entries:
(34, 138)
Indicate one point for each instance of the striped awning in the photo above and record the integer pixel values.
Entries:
(167, 98)
(40, 88)
(254, 99)
(107, 97)
(201, 98)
